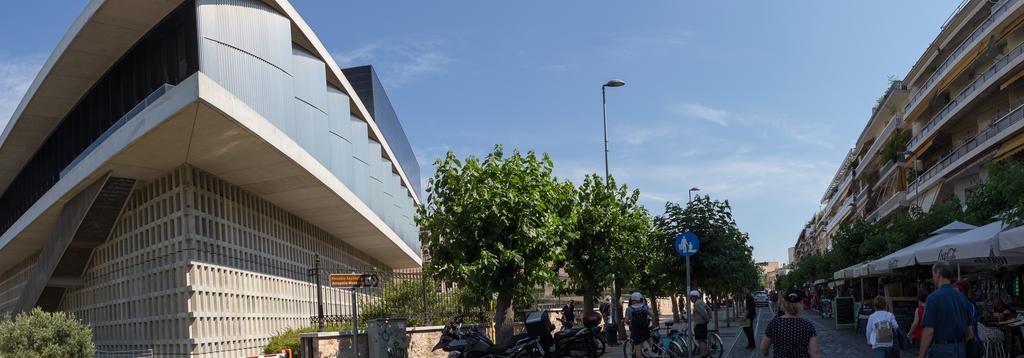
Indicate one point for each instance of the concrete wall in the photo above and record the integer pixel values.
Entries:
(197, 266)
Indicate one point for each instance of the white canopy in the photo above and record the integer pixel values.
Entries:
(978, 246)
(1011, 242)
(905, 257)
(849, 272)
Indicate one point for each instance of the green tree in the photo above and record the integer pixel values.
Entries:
(724, 264)
(608, 221)
(496, 226)
(45, 334)
(1001, 197)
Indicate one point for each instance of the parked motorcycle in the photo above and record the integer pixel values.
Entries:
(568, 342)
(471, 343)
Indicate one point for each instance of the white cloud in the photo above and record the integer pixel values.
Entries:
(16, 76)
(399, 63)
(700, 111)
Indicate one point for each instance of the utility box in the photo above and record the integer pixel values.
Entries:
(387, 338)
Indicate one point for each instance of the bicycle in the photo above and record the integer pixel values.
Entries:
(715, 346)
(657, 346)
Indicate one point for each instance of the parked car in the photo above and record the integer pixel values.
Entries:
(761, 298)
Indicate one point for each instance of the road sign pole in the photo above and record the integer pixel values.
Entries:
(355, 326)
(689, 308)
(687, 244)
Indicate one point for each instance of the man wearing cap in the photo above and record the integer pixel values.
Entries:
(947, 316)
(701, 316)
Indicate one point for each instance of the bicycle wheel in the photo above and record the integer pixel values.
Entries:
(715, 347)
(676, 350)
(599, 345)
(627, 348)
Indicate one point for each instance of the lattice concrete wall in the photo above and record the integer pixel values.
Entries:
(197, 266)
(12, 282)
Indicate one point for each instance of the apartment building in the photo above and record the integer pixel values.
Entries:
(176, 165)
(931, 135)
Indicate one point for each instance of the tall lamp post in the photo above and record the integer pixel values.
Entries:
(689, 194)
(604, 112)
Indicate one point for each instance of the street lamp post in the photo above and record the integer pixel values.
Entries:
(604, 112)
(689, 194)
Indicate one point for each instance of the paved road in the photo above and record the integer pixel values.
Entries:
(832, 342)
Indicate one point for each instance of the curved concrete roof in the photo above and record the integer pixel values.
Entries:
(101, 34)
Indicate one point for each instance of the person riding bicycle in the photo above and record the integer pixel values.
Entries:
(701, 317)
(639, 317)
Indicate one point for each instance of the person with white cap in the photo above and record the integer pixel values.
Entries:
(701, 317)
(639, 317)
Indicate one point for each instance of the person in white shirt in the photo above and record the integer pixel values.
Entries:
(881, 329)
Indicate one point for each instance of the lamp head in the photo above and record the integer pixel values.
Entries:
(615, 83)
(694, 189)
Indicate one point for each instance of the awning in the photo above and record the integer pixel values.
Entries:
(929, 197)
(906, 257)
(1011, 242)
(1010, 147)
(978, 246)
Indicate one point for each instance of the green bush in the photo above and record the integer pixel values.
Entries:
(289, 338)
(45, 334)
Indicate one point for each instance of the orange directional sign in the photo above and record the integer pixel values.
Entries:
(353, 280)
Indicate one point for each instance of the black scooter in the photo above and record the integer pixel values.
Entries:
(460, 343)
(568, 342)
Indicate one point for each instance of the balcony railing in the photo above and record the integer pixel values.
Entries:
(997, 11)
(972, 89)
(894, 123)
(890, 204)
(840, 214)
(152, 97)
(984, 138)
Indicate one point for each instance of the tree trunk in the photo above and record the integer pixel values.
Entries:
(503, 317)
(619, 309)
(655, 310)
(675, 309)
(588, 297)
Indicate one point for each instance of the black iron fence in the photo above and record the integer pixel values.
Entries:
(417, 298)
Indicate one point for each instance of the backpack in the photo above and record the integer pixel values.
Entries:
(883, 332)
(640, 318)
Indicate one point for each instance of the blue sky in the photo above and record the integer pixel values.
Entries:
(752, 101)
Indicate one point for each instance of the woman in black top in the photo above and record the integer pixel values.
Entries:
(790, 336)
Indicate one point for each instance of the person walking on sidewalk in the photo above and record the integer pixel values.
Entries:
(881, 330)
(751, 316)
(790, 336)
(701, 317)
(639, 318)
(569, 314)
(916, 327)
(947, 318)
(605, 309)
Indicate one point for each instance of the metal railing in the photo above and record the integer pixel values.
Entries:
(975, 87)
(152, 97)
(890, 128)
(840, 214)
(997, 11)
(414, 297)
(983, 138)
(887, 169)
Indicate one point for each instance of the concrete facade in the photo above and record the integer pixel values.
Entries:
(184, 217)
(957, 110)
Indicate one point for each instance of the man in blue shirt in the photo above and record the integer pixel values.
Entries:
(947, 315)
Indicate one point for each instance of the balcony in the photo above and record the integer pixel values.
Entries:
(994, 72)
(894, 202)
(887, 170)
(999, 13)
(840, 215)
(890, 128)
(1002, 128)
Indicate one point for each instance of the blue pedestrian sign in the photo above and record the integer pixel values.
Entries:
(687, 244)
